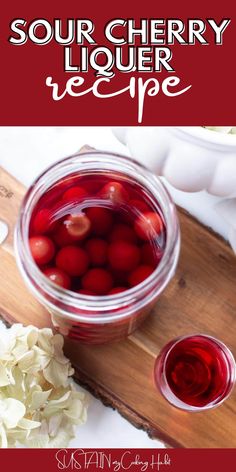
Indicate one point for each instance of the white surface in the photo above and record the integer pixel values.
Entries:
(25, 152)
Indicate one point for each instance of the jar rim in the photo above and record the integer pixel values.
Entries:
(30, 270)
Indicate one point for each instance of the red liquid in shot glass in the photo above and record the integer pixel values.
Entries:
(96, 235)
(198, 371)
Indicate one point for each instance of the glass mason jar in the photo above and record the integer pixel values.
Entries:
(98, 319)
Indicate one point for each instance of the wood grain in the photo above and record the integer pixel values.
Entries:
(201, 298)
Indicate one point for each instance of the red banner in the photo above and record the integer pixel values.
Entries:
(100, 63)
(115, 460)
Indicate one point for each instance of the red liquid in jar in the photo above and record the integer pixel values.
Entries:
(197, 371)
(103, 233)
(97, 234)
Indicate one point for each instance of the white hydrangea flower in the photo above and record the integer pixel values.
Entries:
(39, 407)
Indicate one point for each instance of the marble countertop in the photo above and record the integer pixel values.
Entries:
(25, 152)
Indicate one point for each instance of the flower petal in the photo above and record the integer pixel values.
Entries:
(3, 437)
(39, 441)
(58, 343)
(27, 362)
(4, 377)
(54, 423)
(62, 439)
(57, 374)
(45, 340)
(39, 398)
(24, 423)
(11, 411)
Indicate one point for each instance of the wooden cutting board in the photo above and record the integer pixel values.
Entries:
(201, 298)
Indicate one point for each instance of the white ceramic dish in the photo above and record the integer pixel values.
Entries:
(190, 158)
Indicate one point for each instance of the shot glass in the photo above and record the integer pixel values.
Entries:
(195, 372)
